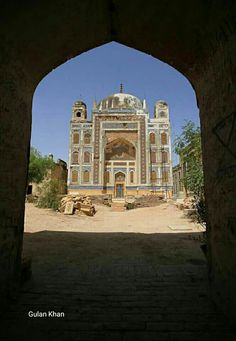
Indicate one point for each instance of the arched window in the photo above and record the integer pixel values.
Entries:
(75, 157)
(153, 157)
(131, 174)
(120, 177)
(107, 176)
(87, 139)
(164, 157)
(75, 138)
(165, 176)
(152, 138)
(164, 138)
(162, 114)
(86, 176)
(74, 176)
(86, 157)
(153, 176)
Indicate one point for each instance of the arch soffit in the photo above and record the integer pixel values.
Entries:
(63, 37)
(120, 140)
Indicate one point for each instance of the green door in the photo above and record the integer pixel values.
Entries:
(120, 191)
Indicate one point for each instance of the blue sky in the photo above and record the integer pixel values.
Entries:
(97, 74)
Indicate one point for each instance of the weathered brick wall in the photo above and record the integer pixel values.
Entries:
(15, 113)
(59, 172)
(217, 101)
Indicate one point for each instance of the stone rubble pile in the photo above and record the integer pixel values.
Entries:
(186, 203)
(148, 200)
(187, 206)
(77, 204)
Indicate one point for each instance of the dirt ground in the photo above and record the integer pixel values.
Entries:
(117, 276)
(165, 218)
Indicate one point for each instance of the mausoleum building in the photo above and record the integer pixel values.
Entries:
(121, 150)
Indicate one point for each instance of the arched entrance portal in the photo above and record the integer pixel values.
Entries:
(120, 159)
(119, 185)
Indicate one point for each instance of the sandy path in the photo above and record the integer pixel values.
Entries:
(142, 220)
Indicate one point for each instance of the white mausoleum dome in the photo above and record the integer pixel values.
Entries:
(119, 101)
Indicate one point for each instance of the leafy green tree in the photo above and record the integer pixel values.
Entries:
(38, 166)
(188, 147)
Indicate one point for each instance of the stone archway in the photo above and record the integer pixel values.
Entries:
(117, 149)
(196, 38)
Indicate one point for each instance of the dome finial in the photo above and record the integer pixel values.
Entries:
(121, 88)
(94, 104)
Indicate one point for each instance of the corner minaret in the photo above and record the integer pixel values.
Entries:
(79, 112)
(161, 111)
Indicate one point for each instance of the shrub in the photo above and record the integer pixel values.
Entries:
(50, 191)
(200, 205)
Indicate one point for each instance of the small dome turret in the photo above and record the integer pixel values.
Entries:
(161, 110)
(79, 111)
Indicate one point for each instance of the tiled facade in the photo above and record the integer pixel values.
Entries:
(121, 151)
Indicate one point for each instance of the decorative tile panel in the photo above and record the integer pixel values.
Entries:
(97, 129)
(119, 125)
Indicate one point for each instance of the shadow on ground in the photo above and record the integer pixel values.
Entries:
(116, 286)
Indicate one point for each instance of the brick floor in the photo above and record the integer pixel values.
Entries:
(115, 286)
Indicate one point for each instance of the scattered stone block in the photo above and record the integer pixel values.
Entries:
(69, 208)
(77, 204)
(180, 228)
(190, 212)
